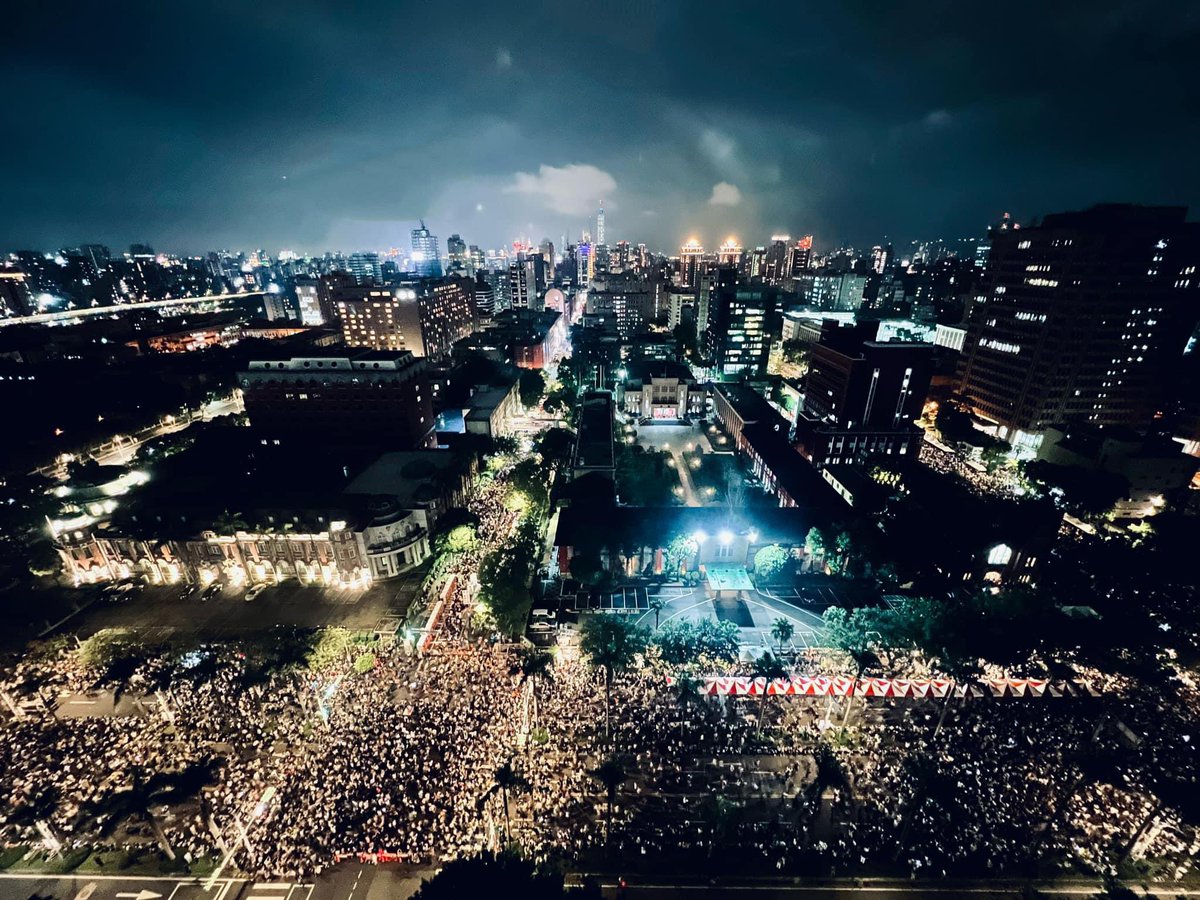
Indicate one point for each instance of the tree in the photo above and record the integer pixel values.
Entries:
(587, 568)
(532, 386)
(533, 665)
(610, 643)
(459, 539)
(770, 668)
(643, 477)
(782, 630)
(505, 780)
(556, 445)
(331, 648)
(161, 789)
(815, 543)
(611, 774)
(43, 559)
(770, 561)
(680, 550)
(686, 691)
(683, 641)
(491, 875)
(656, 605)
(40, 806)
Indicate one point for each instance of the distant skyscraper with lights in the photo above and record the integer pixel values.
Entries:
(741, 320)
(729, 253)
(691, 261)
(365, 268)
(600, 224)
(1084, 317)
(457, 260)
(777, 265)
(426, 260)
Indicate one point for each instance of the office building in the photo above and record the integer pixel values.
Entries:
(741, 320)
(584, 265)
(861, 397)
(485, 298)
(365, 268)
(458, 261)
(600, 225)
(426, 259)
(1081, 318)
(380, 397)
(629, 300)
(777, 262)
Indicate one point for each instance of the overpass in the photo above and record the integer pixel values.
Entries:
(71, 315)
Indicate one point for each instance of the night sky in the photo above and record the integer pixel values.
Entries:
(334, 126)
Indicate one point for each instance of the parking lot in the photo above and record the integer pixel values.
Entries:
(160, 611)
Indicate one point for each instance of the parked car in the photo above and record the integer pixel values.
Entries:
(209, 592)
(254, 591)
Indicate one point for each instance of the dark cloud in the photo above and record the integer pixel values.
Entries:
(316, 126)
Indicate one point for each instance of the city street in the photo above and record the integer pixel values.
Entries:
(346, 882)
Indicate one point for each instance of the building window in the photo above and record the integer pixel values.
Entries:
(999, 555)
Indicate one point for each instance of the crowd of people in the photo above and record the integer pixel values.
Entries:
(408, 758)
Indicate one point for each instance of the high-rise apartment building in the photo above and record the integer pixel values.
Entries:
(1081, 318)
(426, 259)
(522, 283)
(424, 318)
(308, 299)
(740, 323)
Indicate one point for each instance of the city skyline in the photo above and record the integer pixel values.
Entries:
(848, 123)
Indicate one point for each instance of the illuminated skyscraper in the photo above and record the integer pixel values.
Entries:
(778, 263)
(600, 224)
(426, 260)
(691, 258)
(729, 253)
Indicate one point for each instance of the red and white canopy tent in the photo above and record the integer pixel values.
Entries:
(911, 688)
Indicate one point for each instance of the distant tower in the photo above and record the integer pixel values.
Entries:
(600, 224)
(426, 260)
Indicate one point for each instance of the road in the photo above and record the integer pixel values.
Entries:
(877, 889)
(118, 453)
(346, 882)
(366, 882)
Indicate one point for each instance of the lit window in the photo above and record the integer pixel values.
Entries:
(999, 555)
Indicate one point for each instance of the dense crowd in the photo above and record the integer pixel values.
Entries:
(404, 759)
